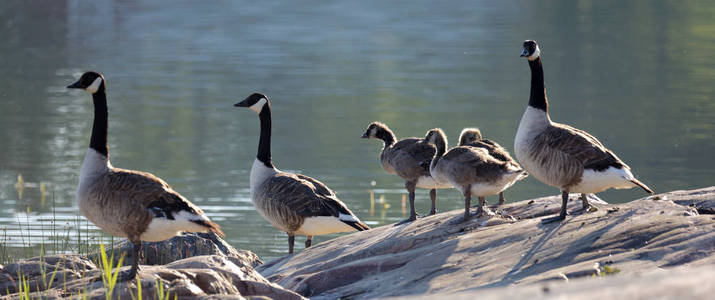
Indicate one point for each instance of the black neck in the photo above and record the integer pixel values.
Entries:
(441, 147)
(386, 136)
(537, 99)
(98, 141)
(264, 141)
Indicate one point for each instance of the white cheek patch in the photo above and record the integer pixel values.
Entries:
(534, 55)
(258, 106)
(92, 88)
(373, 132)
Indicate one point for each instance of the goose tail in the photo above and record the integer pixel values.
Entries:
(359, 226)
(210, 226)
(517, 172)
(523, 174)
(642, 185)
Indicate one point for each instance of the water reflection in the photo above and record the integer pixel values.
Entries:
(638, 75)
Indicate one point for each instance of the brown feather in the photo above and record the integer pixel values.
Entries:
(287, 199)
(566, 151)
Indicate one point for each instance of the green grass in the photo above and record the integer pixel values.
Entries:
(73, 237)
(109, 277)
(607, 270)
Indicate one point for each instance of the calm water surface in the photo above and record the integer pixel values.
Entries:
(639, 75)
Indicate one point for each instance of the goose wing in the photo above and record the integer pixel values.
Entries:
(581, 146)
(151, 192)
(308, 197)
(142, 189)
(474, 164)
(495, 150)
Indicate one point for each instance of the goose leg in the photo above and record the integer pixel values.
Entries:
(482, 206)
(291, 241)
(132, 272)
(467, 203)
(562, 215)
(433, 197)
(410, 186)
(501, 198)
(587, 207)
(308, 241)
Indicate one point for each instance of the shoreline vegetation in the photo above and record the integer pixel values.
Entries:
(75, 235)
(616, 251)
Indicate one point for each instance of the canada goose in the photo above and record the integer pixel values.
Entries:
(294, 203)
(409, 158)
(473, 137)
(127, 203)
(471, 170)
(560, 155)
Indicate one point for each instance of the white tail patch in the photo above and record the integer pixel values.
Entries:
(595, 181)
(163, 228)
(323, 225)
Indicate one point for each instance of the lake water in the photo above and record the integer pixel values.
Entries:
(639, 75)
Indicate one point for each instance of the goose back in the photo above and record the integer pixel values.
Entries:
(495, 150)
(409, 158)
(473, 167)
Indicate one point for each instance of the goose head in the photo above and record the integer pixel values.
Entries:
(437, 138)
(91, 82)
(376, 130)
(469, 136)
(531, 50)
(255, 102)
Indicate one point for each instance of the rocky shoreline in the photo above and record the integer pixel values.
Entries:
(618, 252)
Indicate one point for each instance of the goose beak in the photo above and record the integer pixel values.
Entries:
(525, 52)
(364, 136)
(243, 103)
(75, 85)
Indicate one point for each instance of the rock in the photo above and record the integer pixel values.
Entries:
(180, 247)
(208, 269)
(700, 199)
(672, 283)
(440, 256)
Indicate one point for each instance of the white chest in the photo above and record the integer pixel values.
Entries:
(94, 165)
(259, 174)
(533, 122)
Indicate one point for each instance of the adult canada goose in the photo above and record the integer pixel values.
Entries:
(471, 170)
(126, 203)
(409, 158)
(294, 203)
(473, 137)
(560, 155)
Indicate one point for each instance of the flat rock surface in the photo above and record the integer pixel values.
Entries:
(670, 283)
(440, 255)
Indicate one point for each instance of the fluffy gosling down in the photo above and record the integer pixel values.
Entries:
(409, 158)
(560, 155)
(127, 203)
(471, 170)
(293, 203)
(473, 137)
